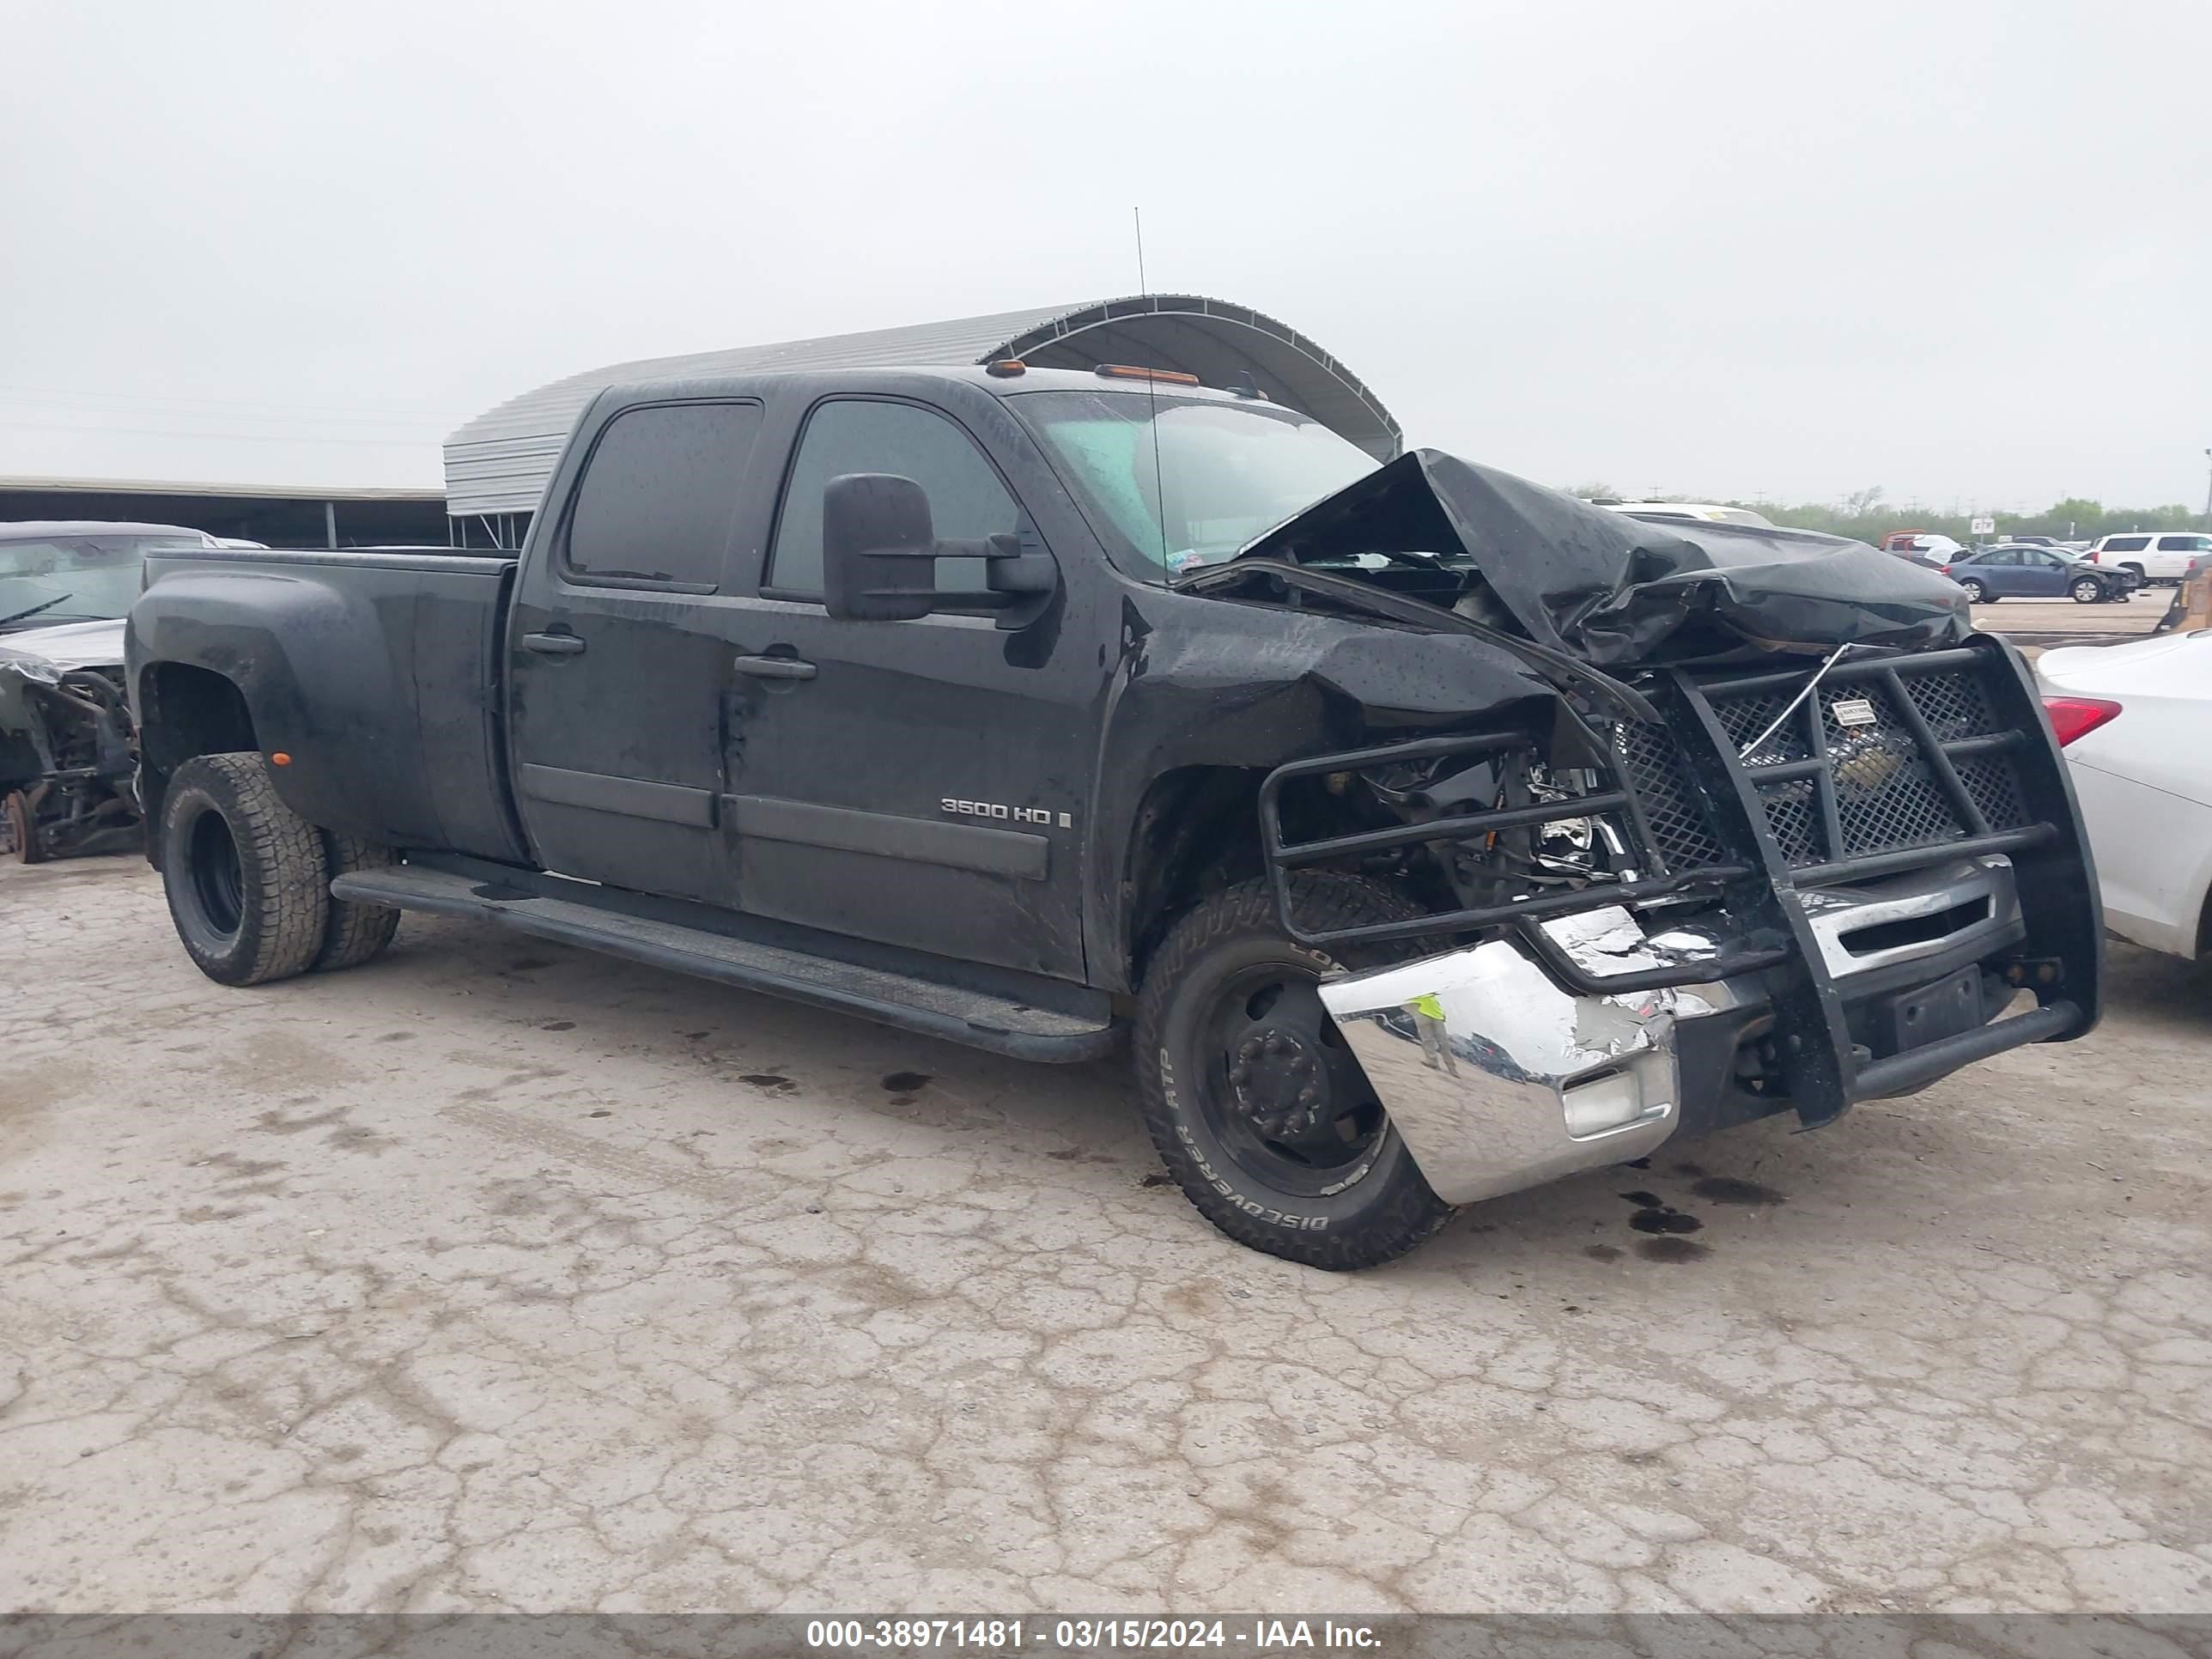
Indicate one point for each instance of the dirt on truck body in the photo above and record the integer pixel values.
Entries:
(1425, 833)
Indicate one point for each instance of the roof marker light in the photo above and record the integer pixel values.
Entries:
(1006, 368)
(1130, 372)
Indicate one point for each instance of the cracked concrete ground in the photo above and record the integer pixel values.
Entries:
(498, 1275)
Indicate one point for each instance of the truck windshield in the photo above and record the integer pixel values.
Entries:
(74, 578)
(1225, 472)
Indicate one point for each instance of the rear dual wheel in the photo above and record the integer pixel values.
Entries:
(248, 880)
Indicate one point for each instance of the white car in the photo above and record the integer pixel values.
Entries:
(2156, 557)
(2135, 720)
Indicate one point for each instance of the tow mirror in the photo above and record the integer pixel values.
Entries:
(879, 554)
(879, 548)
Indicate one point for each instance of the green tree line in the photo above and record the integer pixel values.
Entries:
(1867, 515)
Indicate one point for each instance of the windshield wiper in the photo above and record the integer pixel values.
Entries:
(35, 609)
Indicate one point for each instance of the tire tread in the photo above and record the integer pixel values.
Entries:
(1412, 1213)
(282, 861)
(356, 933)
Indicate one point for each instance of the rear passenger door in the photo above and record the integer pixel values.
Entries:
(1998, 572)
(617, 657)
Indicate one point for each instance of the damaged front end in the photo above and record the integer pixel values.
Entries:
(1788, 836)
(67, 751)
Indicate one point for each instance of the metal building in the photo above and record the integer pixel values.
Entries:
(497, 466)
(284, 515)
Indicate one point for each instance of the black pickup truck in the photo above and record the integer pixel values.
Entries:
(1429, 834)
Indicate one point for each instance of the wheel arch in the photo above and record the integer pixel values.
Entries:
(1196, 830)
(184, 711)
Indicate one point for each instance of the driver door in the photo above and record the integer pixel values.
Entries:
(921, 783)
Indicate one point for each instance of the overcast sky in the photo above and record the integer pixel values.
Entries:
(1962, 250)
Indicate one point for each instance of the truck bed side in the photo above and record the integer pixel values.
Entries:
(378, 673)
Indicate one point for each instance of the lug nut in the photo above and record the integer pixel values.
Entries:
(1249, 1049)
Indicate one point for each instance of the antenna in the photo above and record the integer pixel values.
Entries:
(1152, 404)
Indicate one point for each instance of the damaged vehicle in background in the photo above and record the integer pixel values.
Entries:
(66, 750)
(1448, 837)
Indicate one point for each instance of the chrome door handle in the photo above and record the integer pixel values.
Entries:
(773, 668)
(553, 645)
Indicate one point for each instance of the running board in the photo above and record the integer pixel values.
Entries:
(976, 1018)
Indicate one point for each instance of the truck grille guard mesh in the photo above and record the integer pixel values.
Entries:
(1896, 762)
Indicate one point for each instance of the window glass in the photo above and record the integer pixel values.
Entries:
(2184, 543)
(966, 500)
(2037, 556)
(2126, 544)
(660, 493)
(1177, 482)
(77, 578)
(2006, 556)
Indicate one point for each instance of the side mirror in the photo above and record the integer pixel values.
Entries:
(879, 548)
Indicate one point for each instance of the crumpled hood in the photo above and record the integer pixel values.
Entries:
(66, 645)
(1613, 590)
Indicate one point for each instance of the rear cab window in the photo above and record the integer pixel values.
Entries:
(659, 497)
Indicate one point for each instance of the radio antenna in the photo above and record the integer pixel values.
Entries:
(1152, 405)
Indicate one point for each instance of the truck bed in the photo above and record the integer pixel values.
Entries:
(377, 670)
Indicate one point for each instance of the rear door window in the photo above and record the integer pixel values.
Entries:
(659, 496)
(2184, 543)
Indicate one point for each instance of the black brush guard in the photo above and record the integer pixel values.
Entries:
(1936, 755)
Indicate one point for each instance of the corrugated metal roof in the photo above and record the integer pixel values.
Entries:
(501, 461)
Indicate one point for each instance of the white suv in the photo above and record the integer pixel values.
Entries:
(2158, 556)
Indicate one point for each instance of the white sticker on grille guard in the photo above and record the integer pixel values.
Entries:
(1853, 711)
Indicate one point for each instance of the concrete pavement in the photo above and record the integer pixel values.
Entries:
(497, 1275)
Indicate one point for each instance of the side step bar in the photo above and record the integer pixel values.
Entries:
(976, 1018)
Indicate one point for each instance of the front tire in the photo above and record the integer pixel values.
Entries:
(248, 881)
(1260, 1112)
(2087, 591)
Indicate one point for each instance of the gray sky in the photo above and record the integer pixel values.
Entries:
(1963, 251)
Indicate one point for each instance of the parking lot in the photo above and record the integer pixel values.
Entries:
(499, 1275)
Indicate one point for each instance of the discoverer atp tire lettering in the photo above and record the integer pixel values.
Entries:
(1375, 1206)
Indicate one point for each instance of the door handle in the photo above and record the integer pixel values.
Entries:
(554, 645)
(773, 668)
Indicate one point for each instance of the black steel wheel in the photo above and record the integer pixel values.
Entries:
(1258, 1109)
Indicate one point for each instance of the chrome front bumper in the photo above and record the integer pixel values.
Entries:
(1519, 1082)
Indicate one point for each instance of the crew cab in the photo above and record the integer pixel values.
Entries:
(1423, 833)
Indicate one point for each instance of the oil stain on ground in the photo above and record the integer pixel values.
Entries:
(1664, 1221)
(1671, 1249)
(904, 1083)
